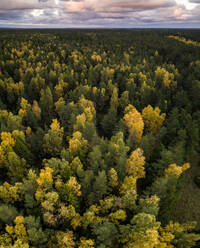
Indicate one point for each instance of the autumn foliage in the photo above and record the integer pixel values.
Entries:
(98, 129)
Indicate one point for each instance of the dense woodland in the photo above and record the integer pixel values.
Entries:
(98, 129)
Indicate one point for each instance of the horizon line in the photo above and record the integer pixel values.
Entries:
(102, 28)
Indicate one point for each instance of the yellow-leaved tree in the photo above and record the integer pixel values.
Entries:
(6, 146)
(134, 122)
(52, 141)
(78, 145)
(135, 164)
(152, 118)
(176, 170)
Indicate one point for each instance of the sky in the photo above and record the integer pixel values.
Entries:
(100, 13)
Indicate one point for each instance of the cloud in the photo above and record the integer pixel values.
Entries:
(125, 10)
(71, 0)
(100, 13)
(43, 1)
(25, 4)
(116, 5)
(195, 1)
(16, 15)
(139, 5)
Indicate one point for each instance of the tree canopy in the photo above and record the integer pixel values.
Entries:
(98, 130)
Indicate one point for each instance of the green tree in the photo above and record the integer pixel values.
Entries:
(17, 167)
(105, 233)
(46, 104)
(35, 233)
(100, 186)
(52, 141)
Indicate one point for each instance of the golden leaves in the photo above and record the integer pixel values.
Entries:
(24, 105)
(95, 57)
(134, 123)
(176, 170)
(11, 193)
(55, 126)
(65, 239)
(86, 243)
(128, 184)
(153, 120)
(88, 108)
(135, 164)
(7, 140)
(119, 215)
(73, 185)
(77, 143)
(113, 178)
(164, 77)
(45, 177)
(60, 87)
(76, 221)
(19, 230)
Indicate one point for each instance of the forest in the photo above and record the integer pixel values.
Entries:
(99, 138)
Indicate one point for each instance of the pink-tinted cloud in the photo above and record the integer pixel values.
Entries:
(100, 13)
(25, 4)
(116, 5)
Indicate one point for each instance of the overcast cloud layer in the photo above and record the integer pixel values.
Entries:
(100, 13)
